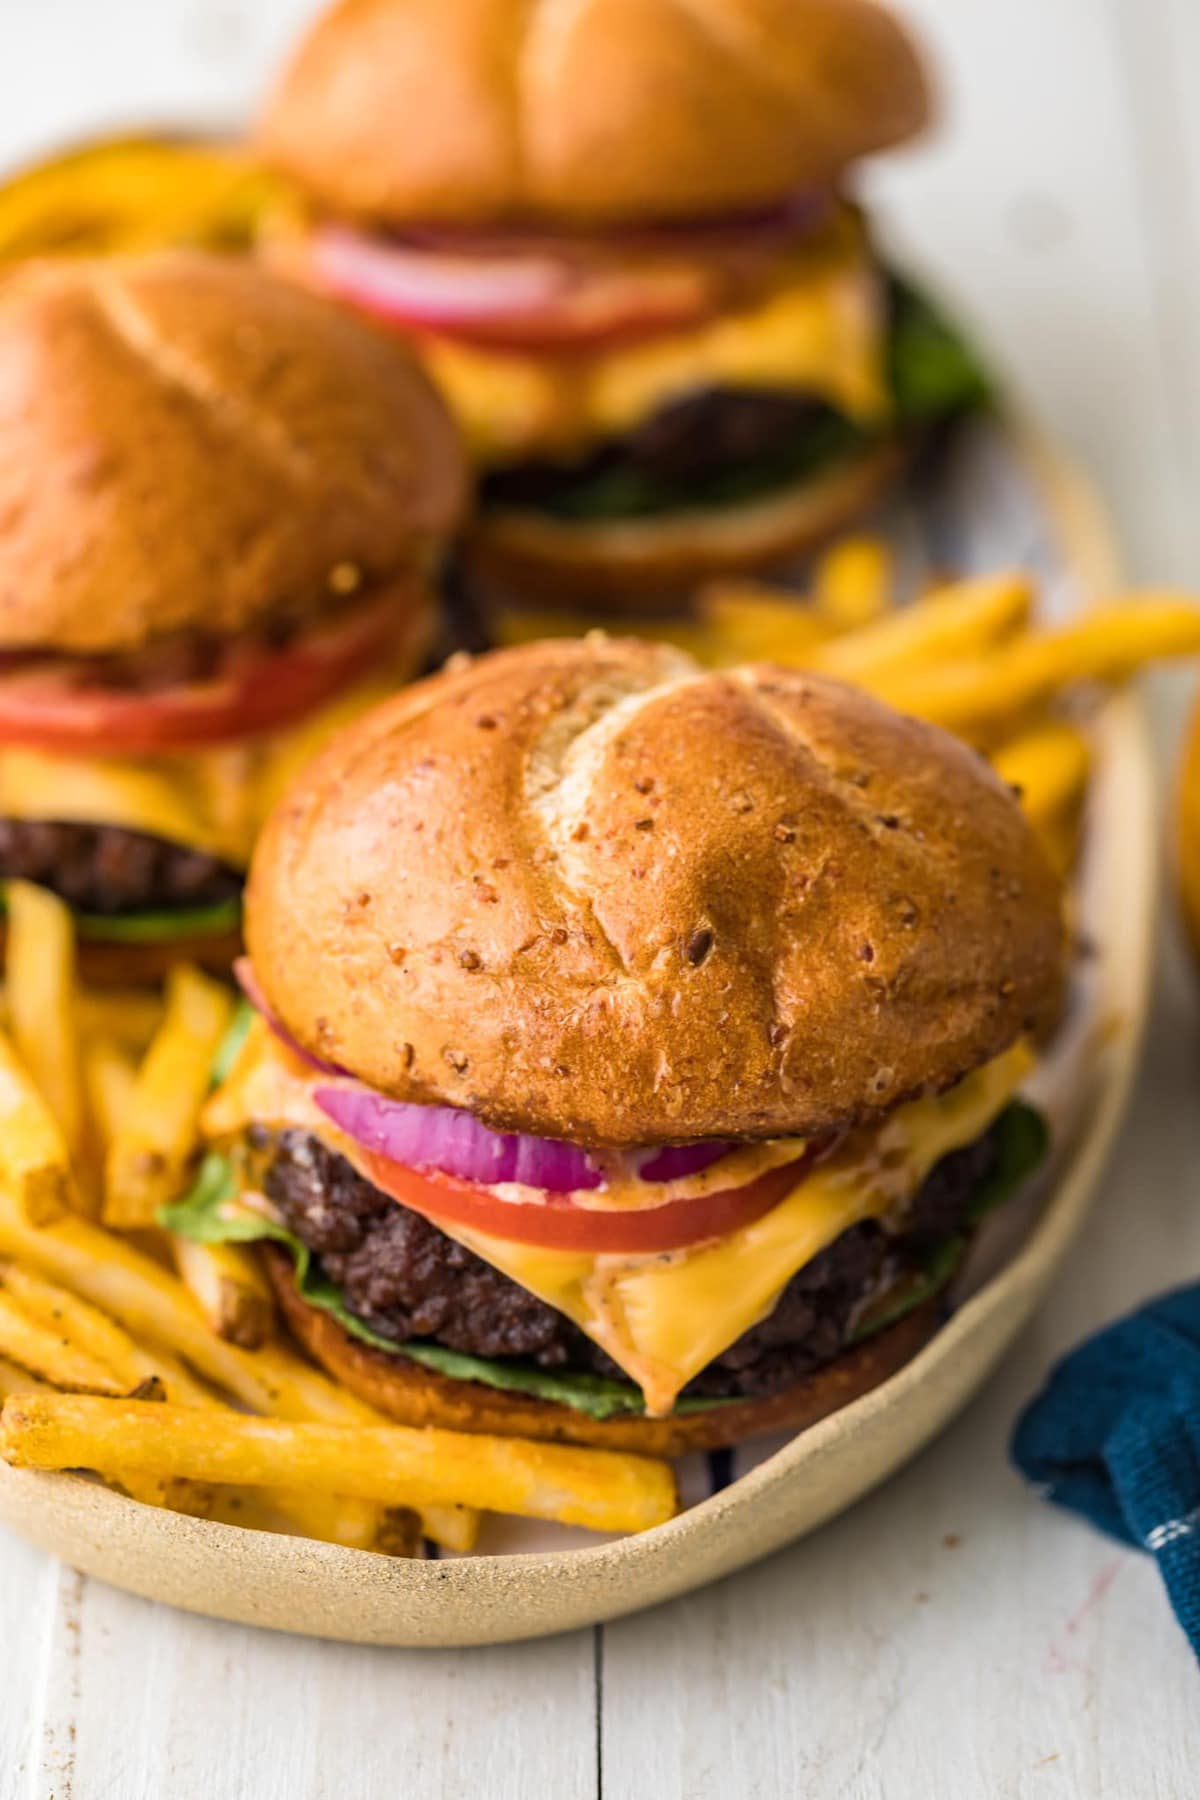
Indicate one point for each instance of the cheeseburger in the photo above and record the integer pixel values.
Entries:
(622, 240)
(221, 500)
(636, 1047)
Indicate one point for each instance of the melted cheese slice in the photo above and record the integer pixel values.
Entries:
(818, 329)
(663, 1318)
(212, 800)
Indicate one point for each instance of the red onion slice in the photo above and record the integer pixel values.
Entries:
(677, 1161)
(439, 290)
(454, 1142)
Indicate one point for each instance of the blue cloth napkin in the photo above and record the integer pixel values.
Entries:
(1115, 1435)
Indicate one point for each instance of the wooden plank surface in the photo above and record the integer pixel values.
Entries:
(950, 1637)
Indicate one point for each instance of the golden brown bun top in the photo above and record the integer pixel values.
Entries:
(583, 111)
(589, 890)
(188, 443)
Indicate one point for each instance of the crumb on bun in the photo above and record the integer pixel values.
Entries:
(590, 890)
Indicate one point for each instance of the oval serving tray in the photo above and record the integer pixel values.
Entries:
(1002, 498)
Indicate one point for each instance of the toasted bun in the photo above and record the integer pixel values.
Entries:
(588, 890)
(187, 442)
(602, 111)
(637, 565)
(415, 1396)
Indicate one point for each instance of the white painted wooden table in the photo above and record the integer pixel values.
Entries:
(952, 1637)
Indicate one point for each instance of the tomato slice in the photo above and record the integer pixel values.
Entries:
(558, 1224)
(58, 704)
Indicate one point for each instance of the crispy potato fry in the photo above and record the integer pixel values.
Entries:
(230, 1287)
(982, 697)
(453, 1527)
(51, 1356)
(114, 1276)
(390, 1464)
(751, 622)
(148, 1159)
(109, 1073)
(126, 1017)
(41, 1007)
(354, 1524)
(34, 1160)
(961, 620)
(14, 1380)
(154, 1306)
(134, 193)
(1049, 766)
(852, 582)
(94, 1334)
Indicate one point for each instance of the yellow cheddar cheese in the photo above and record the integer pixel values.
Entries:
(819, 329)
(211, 800)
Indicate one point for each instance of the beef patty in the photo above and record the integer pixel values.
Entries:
(406, 1279)
(683, 446)
(106, 869)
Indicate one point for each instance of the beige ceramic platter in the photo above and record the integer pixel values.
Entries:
(997, 502)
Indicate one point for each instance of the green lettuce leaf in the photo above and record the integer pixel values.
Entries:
(212, 1212)
(935, 375)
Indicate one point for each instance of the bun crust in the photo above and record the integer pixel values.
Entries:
(415, 1396)
(589, 890)
(592, 111)
(189, 443)
(639, 565)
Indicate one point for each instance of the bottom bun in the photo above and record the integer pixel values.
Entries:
(637, 565)
(413, 1395)
(140, 965)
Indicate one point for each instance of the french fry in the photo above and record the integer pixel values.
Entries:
(958, 621)
(92, 1333)
(230, 1287)
(14, 1380)
(751, 622)
(147, 1160)
(453, 1527)
(981, 698)
(155, 1307)
(41, 1006)
(353, 1524)
(109, 1073)
(392, 1465)
(126, 1017)
(852, 582)
(157, 1310)
(35, 1163)
(1049, 766)
(178, 1495)
(51, 1356)
(129, 193)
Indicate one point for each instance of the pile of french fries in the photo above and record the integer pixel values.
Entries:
(969, 655)
(155, 1362)
(129, 194)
